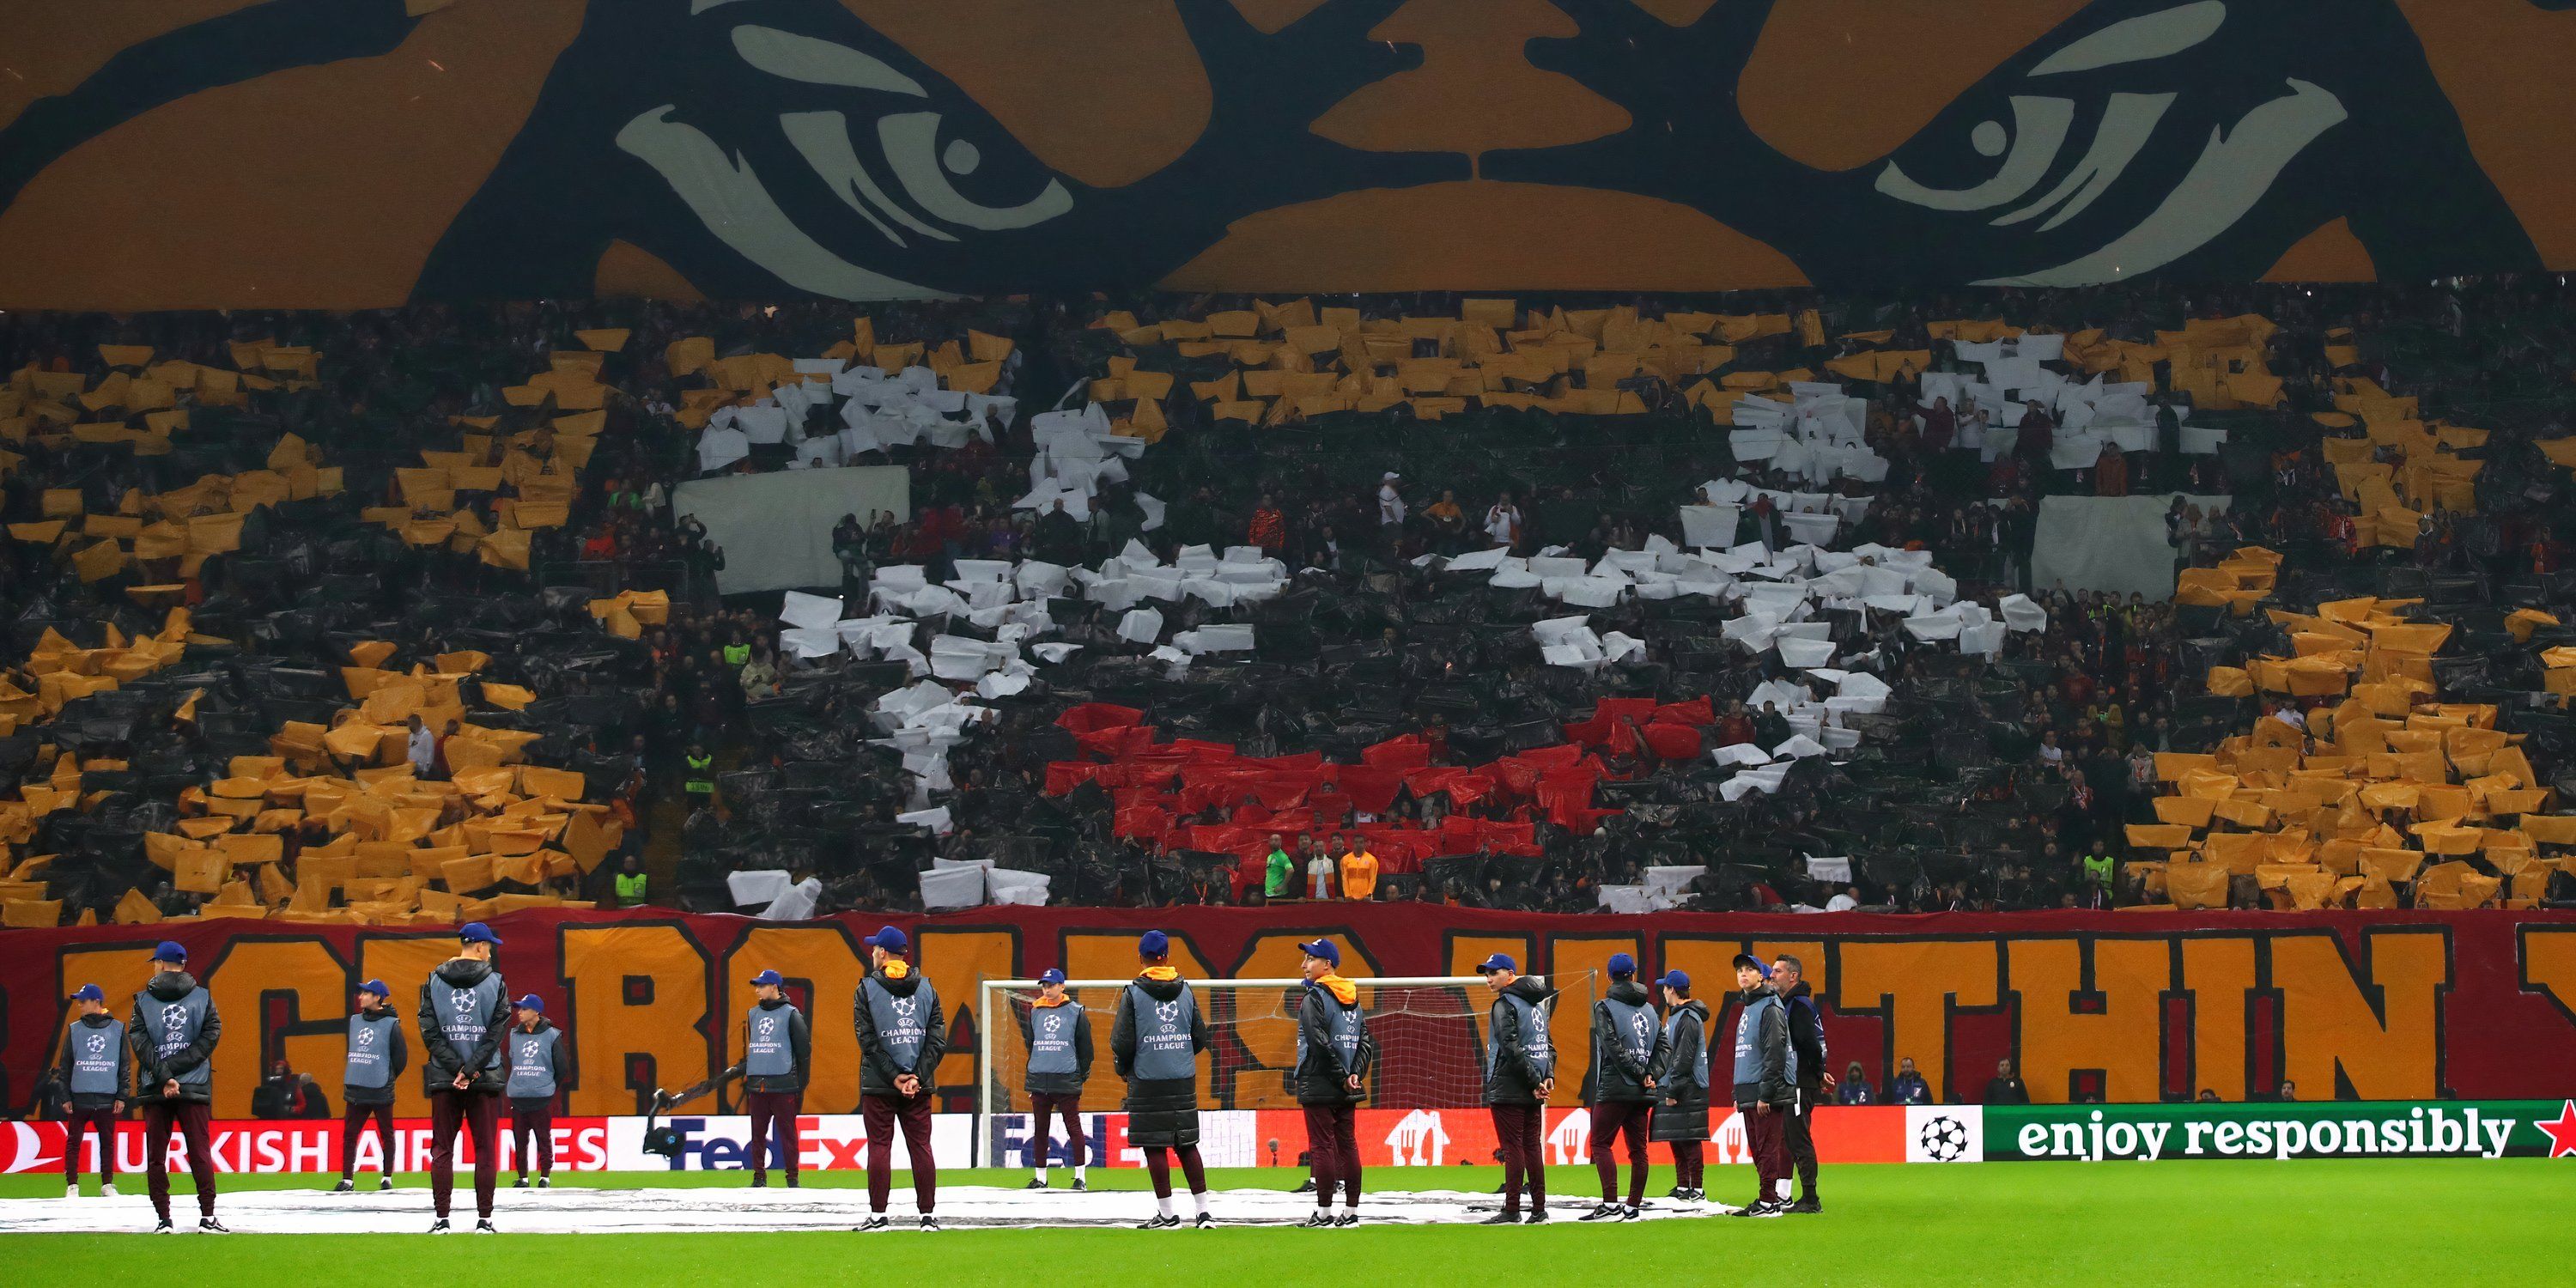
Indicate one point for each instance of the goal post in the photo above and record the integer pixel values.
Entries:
(1429, 1030)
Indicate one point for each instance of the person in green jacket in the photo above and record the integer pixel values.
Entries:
(631, 883)
(1281, 877)
(2099, 872)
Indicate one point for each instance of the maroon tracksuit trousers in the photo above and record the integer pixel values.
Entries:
(479, 1112)
(1158, 1168)
(102, 1118)
(1609, 1119)
(1765, 1133)
(1044, 1109)
(194, 1122)
(773, 1126)
(1516, 1132)
(353, 1128)
(1333, 1146)
(882, 1114)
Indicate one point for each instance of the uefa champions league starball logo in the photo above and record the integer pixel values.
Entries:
(97, 1043)
(1944, 1139)
(764, 1026)
(903, 1008)
(174, 1019)
(366, 1038)
(1168, 1012)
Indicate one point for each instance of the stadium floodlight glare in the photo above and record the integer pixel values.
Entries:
(1430, 1033)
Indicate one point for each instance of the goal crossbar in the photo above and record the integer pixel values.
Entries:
(988, 991)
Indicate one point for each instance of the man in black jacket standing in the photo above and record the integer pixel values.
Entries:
(1520, 1074)
(1766, 1082)
(1155, 1042)
(173, 1034)
(902, 1036)
(1334, 1053)
(2006, 1087)
(1807, 1038)
(464, 1010)
(1059, 1063)
(1681, 1119)
(377, 1056)
(778, 1049)
(1628, 1055)
(92, 1072)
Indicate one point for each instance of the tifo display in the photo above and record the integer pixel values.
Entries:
(835, 617)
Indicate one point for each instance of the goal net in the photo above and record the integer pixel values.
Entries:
(1430, 1037)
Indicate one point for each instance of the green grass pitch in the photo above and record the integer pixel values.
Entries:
(2276, 1225)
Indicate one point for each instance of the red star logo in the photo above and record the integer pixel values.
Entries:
(2562, 1133)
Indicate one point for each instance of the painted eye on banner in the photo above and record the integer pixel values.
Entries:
(930, 169)
(911, 172)
(2173, 208)
(2025, 143)
(930, 159)
(2028, 150)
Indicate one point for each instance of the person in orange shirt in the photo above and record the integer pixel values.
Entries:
(1359, 873)
(1269, 528)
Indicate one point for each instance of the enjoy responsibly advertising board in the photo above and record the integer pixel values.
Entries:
(2319, 1129)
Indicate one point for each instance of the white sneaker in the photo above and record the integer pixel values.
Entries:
(71, 1192)
(108, 1190)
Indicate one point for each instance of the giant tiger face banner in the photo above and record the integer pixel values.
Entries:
(360, 153)
(2134, 1007)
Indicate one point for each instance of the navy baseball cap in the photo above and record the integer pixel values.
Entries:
(1676, 981)
(768, 977)
(1622, 966)
(89, 993)
(889, 939)
(1050, 976)
(171, 950)
(377, 987)
(1495, 963)
(532, 1002)
(475, 932)
(1153, 943)
(1748, 959)
(1322, 950)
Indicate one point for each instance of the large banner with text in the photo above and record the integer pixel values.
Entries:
(366, 153)
(2117, 1006)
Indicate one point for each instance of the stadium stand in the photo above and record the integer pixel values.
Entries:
(1479, 585)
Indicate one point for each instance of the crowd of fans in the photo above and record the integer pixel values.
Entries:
(1362, 508)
